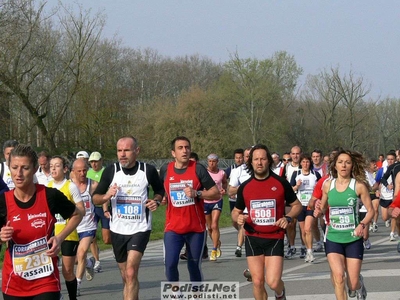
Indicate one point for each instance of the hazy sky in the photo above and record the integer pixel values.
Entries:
(358, 35)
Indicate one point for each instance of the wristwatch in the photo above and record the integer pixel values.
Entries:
(199, 193)
(288, 219)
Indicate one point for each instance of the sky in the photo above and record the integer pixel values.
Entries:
(361, 36)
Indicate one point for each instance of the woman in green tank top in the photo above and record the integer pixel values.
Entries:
(343, 194)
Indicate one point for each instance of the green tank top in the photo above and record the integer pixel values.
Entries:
(343, 213)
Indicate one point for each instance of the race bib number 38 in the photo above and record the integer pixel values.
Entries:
(263, 212)
(342, 218)
(30, 261)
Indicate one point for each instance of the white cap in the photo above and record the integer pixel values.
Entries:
(95, 156)
(82, 154)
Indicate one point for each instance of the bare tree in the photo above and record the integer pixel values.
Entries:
(41, 65)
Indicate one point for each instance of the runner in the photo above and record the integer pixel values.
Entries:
(238, 176)
(87, 227)
(43, 174)
(186, 184)
(292, 167)
(344, 243)
(265, 196)
(27, 218)
(213, 208)
(238, 156)
(126, 184)
(5, 173)
(386, 193)
(94, 173)
(303, 182)
(59, 168)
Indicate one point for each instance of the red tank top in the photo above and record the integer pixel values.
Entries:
(184, 214)
(27, 271)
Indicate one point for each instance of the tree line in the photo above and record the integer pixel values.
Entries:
(64, 87)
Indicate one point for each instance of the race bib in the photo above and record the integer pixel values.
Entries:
(60, 219)
(86, 202)
(30, 261)
(305, 197)
(129, 208)
(263, 212)
(342, 218)
(178, 196)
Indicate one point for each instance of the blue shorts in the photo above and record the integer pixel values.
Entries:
(99, 216)
(209, 207)
(89, 233)
(349, 250)
(302, 216)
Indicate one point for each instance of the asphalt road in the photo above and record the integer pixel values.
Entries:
(381, 271)
(305, 281)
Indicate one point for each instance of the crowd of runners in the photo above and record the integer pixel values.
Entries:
(332, 203)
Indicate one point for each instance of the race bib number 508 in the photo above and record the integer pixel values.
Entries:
(263, 212)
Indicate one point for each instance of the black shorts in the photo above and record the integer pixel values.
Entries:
(373, 197)
(124, 243)
(385, 203)
(349, 250)
(303, 213)
(69, 248)
(43, 296)
(256, 246)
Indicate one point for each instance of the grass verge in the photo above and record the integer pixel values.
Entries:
(158, 227)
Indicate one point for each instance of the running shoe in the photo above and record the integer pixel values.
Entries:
(309, 257)
(370, 229)
(387, 223)
(367, 244)
(90, 269)
(183, 256)
(219, 252)
(78, 290)
(291, 251)
(283, 297)
(374, 227)
(303, 252)
(319, 247)
(363, 294)
(392, 237)
(238, 252)
(97, 267)
(352, 294)
(247, 274)
(213, 256)
(398, 246)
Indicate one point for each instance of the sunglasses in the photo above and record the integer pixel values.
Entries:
(283, 159)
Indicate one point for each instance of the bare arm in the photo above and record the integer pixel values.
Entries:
(232, 191)
(55, 241)
(99, 199)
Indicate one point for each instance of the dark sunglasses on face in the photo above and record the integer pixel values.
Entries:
(286, 159)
